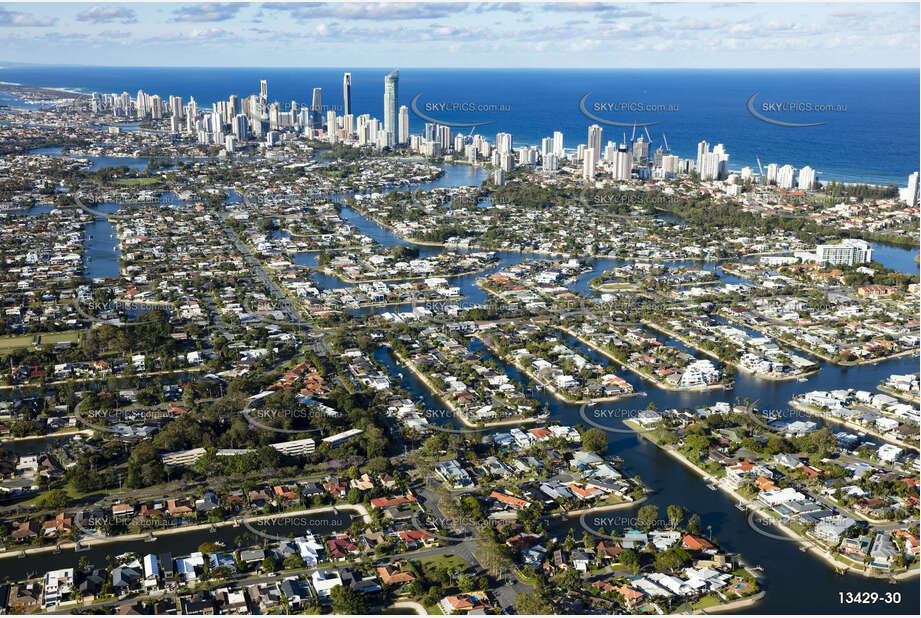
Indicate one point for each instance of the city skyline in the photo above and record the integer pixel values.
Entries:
(683, 35)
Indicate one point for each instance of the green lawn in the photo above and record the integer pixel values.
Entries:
(137, 182)
(13, 342)
(442, 560)
(705, 602)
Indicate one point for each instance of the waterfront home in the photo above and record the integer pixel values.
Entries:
(126, 577)
(24, 598)
(465, 603)
(857, 548)
(341, 547)
(394, 574)
(832, 528)
(883, 551)
(692, 542)
(57, 585)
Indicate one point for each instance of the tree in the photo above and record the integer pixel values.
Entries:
(54, 499)
(675, 515)
(595, 440)
(672, 559)
(466, 582)
(694, 525)
(646, 517)
(348, 601)
(533, 603)
(630, 559)
(294, 561)
(269, 564)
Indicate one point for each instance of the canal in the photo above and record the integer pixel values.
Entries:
(796, 582)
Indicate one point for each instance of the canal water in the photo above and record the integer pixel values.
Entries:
(795, 582)
(182, 544)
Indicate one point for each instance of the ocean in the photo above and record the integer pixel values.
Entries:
(869, 131)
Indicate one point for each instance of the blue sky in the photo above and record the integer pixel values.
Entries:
(458, 34)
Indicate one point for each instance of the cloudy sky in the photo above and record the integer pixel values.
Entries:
(460, 34)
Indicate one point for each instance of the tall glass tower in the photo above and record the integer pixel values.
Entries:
(347, 94)
(391, 101)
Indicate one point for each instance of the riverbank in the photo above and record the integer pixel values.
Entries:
(689, 343)
(59, 434)
(457, 413)
(821, 355)
(796, 405)
(732, 605)
(658, 383)
(553, 391)
(821, 553)
(898, 394)
(237, 521)
(607, 507)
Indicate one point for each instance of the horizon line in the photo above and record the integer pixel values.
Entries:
(14, 64)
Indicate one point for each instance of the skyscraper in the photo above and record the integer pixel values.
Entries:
(594, 142)
(403, 133)
(347, 94)
(558, 143)
(264, 91)
(316, 107)
(806, 178)
(912, 189)
(391, 101)
(588, 164)
(703, 148)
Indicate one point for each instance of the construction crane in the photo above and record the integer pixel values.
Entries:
(760, 169)
(667, 149)
(645, 128)
(633, 135)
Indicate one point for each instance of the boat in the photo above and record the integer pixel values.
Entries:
(150, 539)
(802, 379)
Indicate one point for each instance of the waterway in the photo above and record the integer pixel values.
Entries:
(795, 582)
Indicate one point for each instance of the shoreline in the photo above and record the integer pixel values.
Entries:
(59, 434)
(732, 605)
(457, 413)
(237, 520)
(900, 395)
(657, 383)
(796, 405)
(608, 507)
(794, 536)
(824, 357)
(738, 367)
(551, 389)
